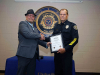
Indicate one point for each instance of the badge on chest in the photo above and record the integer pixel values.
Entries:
(67, 26)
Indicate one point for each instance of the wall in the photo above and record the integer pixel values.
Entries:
(86, 15)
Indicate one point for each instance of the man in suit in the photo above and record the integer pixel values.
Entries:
(63, 58)
(28, 51)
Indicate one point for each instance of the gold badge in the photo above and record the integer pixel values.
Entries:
(75, 27)
(67, 26)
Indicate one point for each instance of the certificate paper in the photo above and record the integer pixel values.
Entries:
(57, 43)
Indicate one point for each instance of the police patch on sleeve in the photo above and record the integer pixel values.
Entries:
(75, 27)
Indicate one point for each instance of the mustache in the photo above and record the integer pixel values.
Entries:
(31, 19)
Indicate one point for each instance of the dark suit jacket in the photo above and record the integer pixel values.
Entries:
(28, 40)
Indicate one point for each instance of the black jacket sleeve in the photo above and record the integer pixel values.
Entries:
(75, 38)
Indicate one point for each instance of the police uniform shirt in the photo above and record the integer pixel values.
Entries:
(69, 33)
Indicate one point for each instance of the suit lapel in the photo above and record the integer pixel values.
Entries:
(35, 30)
(30, 27)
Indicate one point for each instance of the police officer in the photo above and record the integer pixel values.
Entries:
(63, 58)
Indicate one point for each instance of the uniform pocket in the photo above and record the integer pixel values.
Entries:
(65, 30)
(66, 33)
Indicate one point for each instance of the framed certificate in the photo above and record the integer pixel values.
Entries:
(57, 42)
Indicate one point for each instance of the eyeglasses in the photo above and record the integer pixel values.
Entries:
(31, 15)
(63, 14)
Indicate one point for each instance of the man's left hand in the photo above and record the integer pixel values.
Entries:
(61, 50)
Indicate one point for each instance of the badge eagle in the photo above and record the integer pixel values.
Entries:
(48, 21)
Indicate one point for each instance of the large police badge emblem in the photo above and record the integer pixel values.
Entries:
(46, 19)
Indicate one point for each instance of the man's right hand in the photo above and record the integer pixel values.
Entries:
(42, 37)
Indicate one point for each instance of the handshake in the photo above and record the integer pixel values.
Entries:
(43, 38)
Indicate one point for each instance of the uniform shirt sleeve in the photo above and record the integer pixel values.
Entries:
(74, 40)
(47, 39)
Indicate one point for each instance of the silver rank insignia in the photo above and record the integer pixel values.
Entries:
(75, 27)
(67, 26)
